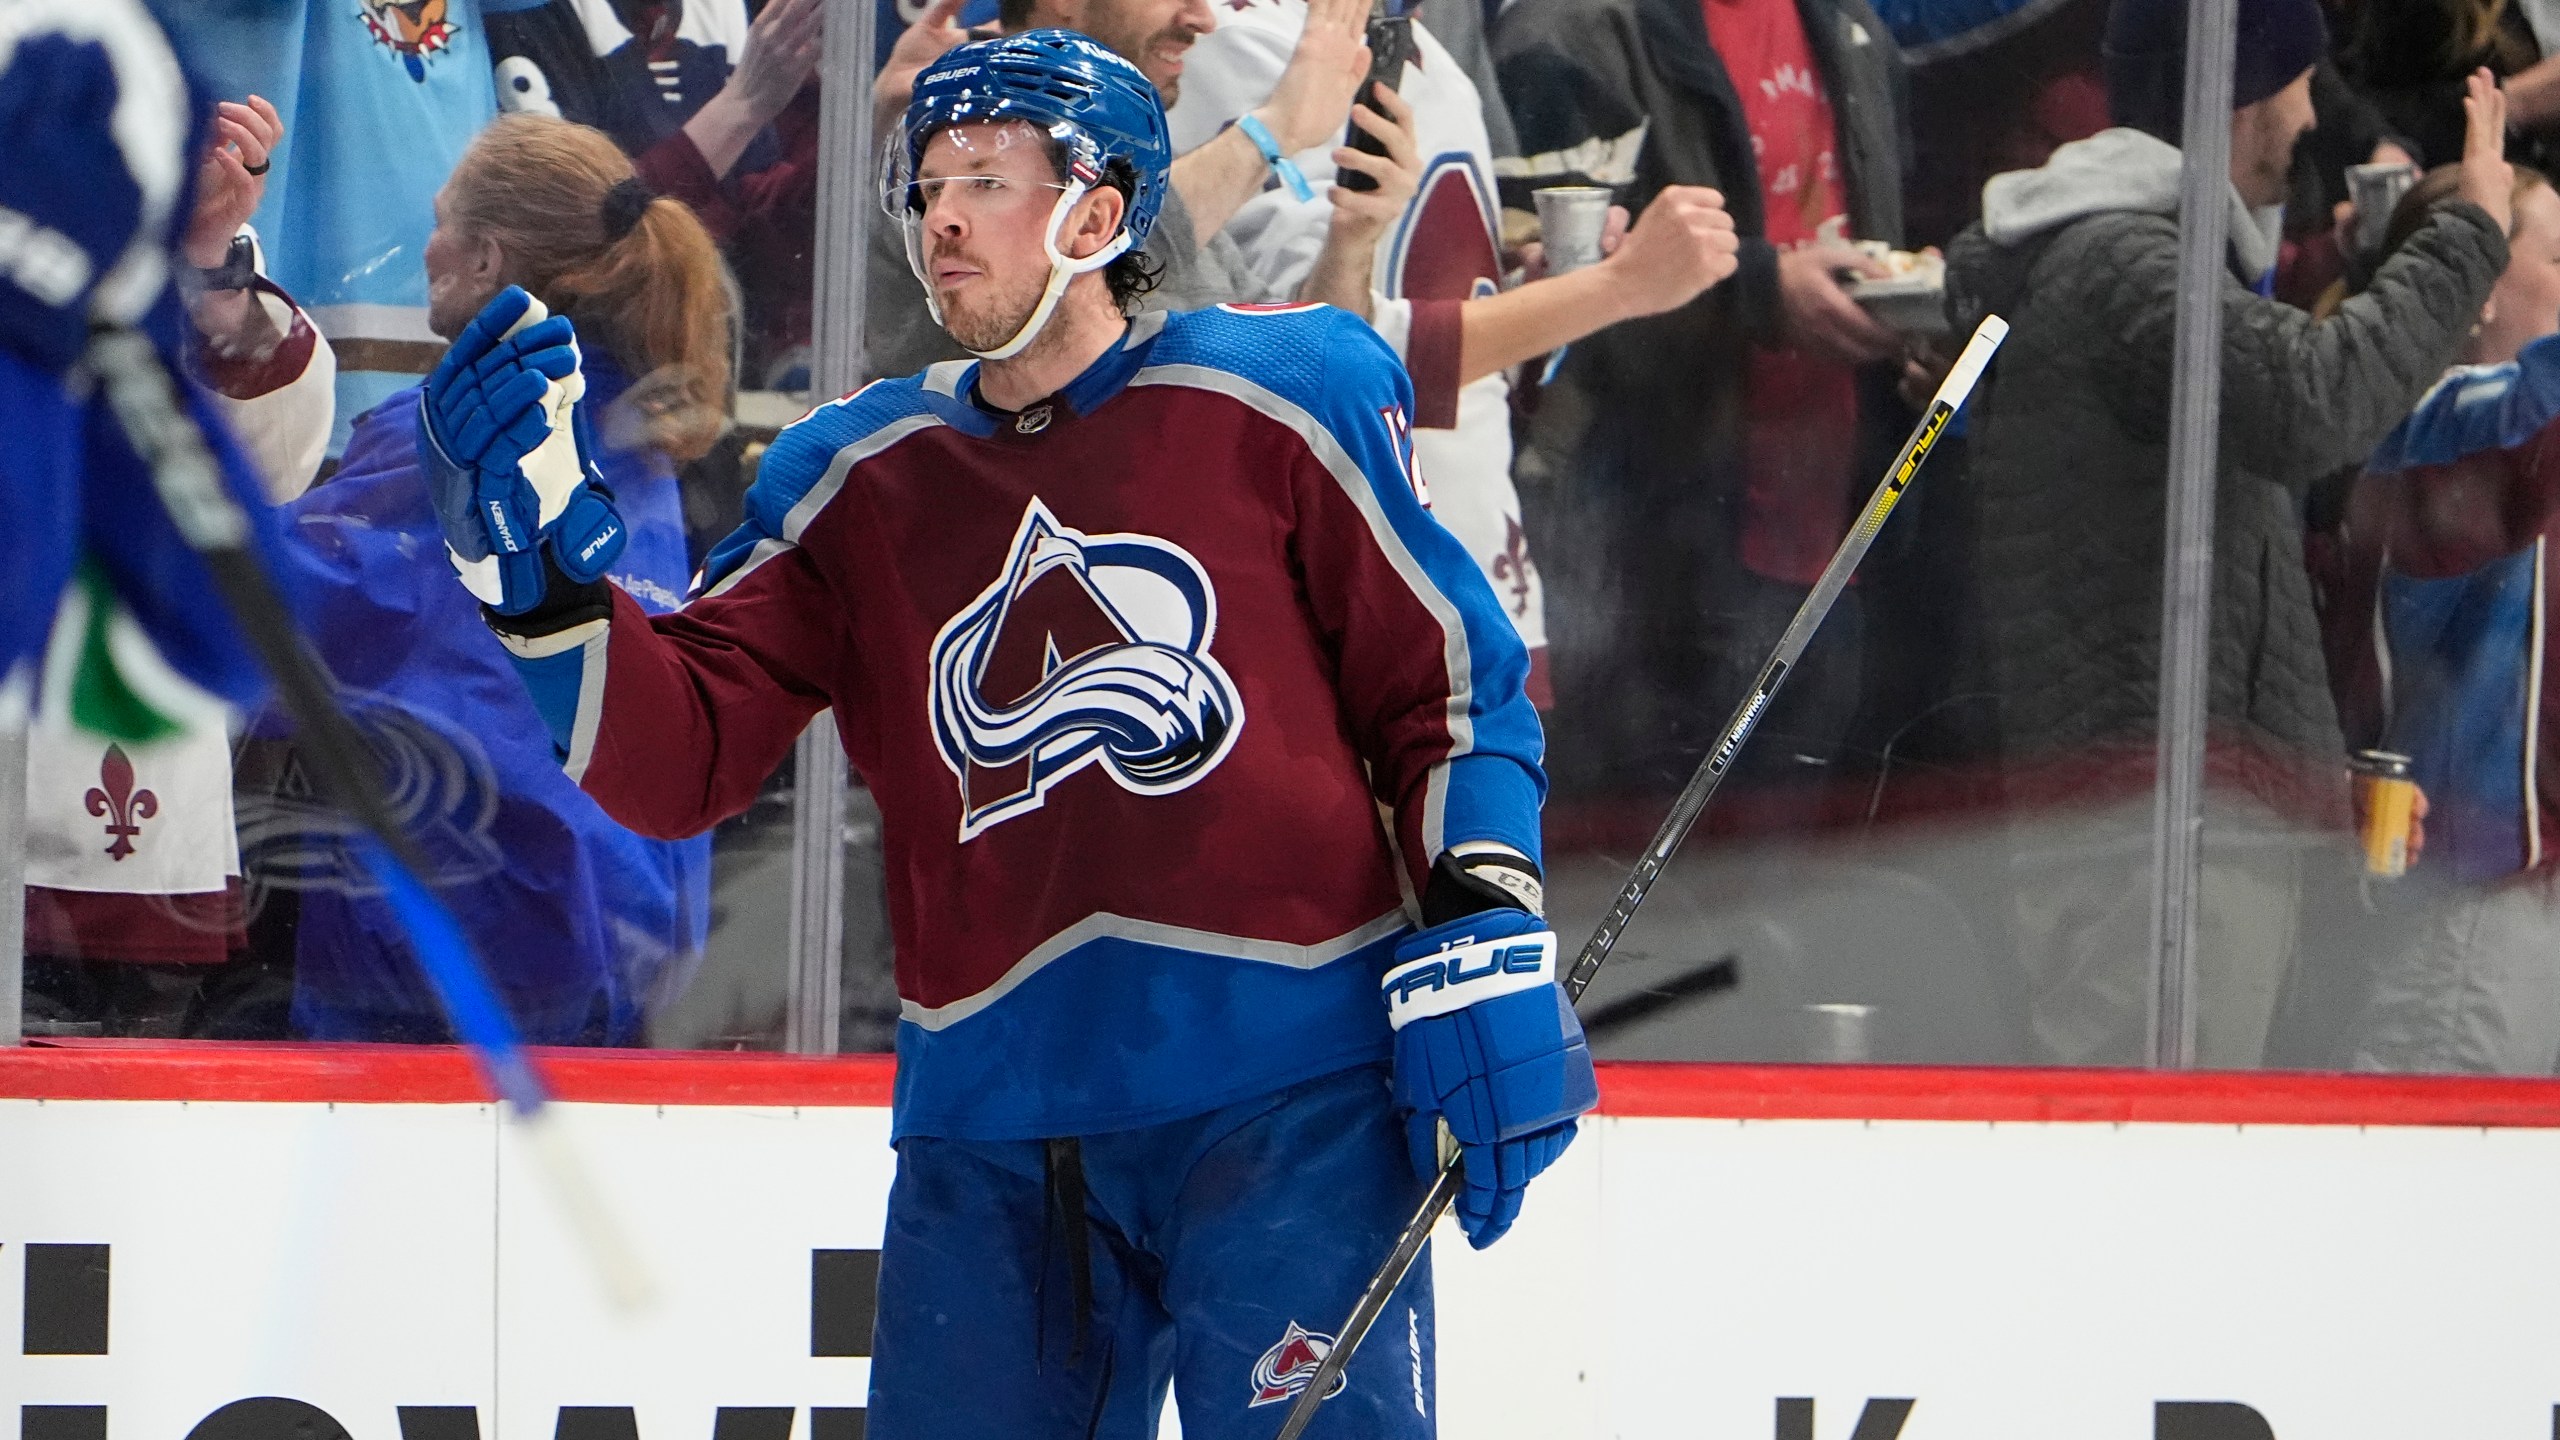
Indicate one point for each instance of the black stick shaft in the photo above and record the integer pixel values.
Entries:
(1685, 809)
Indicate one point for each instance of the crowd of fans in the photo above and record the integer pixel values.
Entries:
(1652, 457)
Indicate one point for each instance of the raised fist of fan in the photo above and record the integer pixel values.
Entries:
(1683, 244)
(503, 433)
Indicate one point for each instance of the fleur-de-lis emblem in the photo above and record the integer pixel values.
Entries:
(123, 807)
(1514, 566)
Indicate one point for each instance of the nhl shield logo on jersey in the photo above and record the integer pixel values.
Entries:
(1086, 650)
(1290, 1366)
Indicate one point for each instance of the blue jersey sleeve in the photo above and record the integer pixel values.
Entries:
(2477, 408)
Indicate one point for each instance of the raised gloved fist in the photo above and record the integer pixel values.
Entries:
(503, 434)
(1486, 1043)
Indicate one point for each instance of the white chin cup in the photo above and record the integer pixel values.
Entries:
(1061, 271)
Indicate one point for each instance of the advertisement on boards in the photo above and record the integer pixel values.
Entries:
(243, 1271)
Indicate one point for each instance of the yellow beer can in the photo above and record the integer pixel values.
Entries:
(2390, 810)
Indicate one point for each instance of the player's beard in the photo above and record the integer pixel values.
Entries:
(992, 311)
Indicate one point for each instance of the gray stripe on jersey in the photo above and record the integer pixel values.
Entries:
(796, 521)
(1107, 926)
(582, 730)
(765, 550)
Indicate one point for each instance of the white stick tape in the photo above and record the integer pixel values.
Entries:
(1975, 359)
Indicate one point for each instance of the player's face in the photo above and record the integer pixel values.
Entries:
(462, 274)
(987, 191)
(1153, 35)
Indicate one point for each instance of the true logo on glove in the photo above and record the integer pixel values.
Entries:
(1468, 971)
(604, 537)
(1467, 962)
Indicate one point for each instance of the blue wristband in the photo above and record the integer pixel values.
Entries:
(1281, 165)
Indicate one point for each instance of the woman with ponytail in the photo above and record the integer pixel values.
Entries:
(582, 924)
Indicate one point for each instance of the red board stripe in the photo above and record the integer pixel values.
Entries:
(386, 1074)
(429, 1074)
(1880, 1092)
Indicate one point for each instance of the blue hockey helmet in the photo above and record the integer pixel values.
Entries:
(1095, 106)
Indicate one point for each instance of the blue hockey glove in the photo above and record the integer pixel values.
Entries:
(503, 434)
(1486, 1043)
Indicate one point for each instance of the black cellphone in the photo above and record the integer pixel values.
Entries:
(1390, 46)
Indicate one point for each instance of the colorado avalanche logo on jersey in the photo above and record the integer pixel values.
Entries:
(1087, 650)
(1290, 1366)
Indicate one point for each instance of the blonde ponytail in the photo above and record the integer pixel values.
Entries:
(656, 297)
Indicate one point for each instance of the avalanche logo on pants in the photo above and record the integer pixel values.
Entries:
(1088, 649)
(1290, 1366)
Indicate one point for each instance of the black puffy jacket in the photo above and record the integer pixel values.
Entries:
(2068, 480)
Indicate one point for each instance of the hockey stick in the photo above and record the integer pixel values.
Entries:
(184, 474)
(1675, 828)
(1713, 978)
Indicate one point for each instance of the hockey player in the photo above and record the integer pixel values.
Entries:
(1416, 255)
(1134, 633)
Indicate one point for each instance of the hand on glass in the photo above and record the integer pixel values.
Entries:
(1819, 317)
(1368, 213)
(1313, 98)
(1682, 245)
(227, 190)
(2488, 181)
(936, 33)
(781, 54)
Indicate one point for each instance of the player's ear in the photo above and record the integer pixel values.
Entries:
(1097, 219)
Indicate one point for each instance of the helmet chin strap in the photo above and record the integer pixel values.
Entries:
(1061, 271)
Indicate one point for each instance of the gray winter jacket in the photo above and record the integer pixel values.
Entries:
(2069, 459)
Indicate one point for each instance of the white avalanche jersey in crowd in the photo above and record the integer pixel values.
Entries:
(1441, 254)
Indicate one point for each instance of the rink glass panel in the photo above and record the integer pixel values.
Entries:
(1923, 856)
(1936, 847)
(594, 936)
